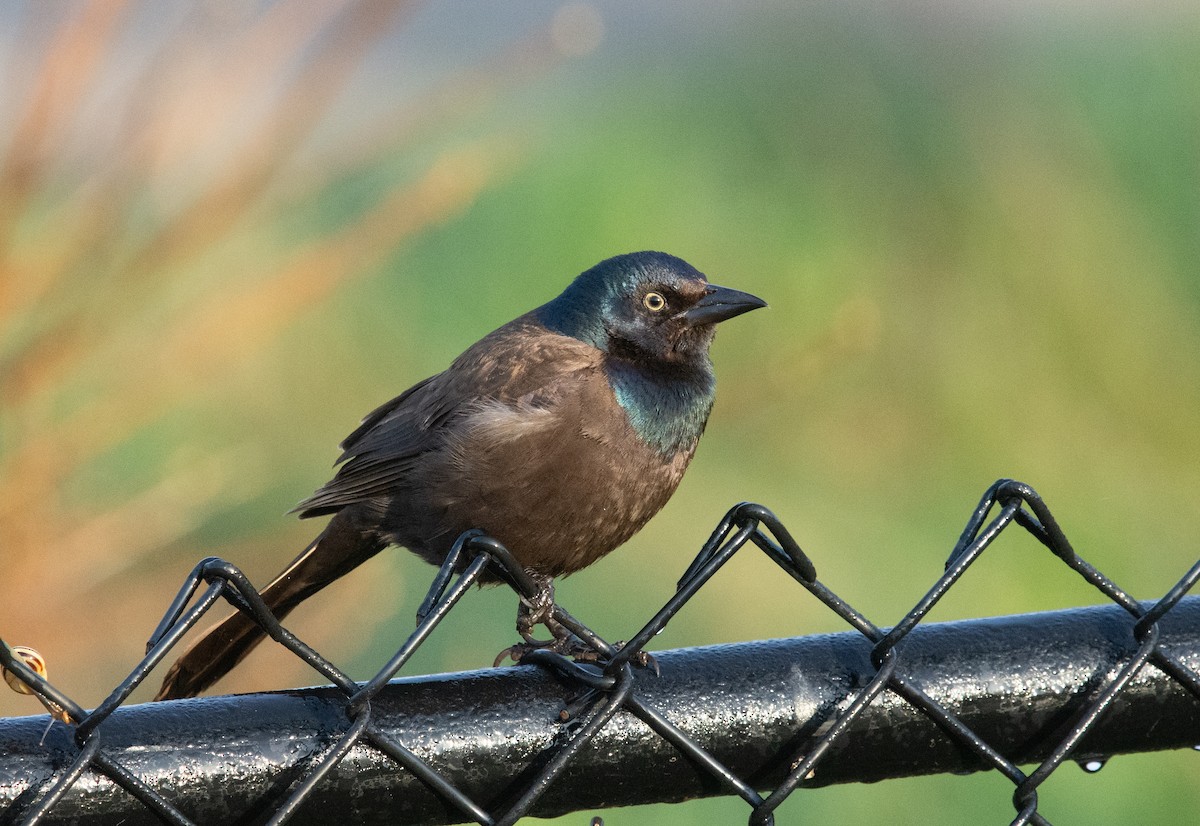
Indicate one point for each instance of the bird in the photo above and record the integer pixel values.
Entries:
(560, 435)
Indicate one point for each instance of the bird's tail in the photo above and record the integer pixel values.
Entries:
(340, 548)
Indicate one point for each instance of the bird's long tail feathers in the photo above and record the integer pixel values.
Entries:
(340, 548)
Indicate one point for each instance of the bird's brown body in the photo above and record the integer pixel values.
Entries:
(547, 462)
(560, 434)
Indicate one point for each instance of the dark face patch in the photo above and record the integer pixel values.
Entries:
(648, 320)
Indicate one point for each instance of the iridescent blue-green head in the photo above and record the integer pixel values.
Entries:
(654, 316)
(647, 306)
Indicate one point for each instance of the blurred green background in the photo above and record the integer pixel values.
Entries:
(228, 230)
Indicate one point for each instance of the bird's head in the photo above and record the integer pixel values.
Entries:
(645, 305)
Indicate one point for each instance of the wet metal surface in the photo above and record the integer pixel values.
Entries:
(1015, 681)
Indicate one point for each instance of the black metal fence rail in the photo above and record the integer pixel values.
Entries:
(485, 731)
(492, 746)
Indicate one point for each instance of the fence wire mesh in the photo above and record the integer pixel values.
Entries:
(608, 689)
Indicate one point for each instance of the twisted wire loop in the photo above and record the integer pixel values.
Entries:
(600, 692)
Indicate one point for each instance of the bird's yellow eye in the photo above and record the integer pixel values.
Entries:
(654, 302)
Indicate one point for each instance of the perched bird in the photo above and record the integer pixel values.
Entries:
(560, 434)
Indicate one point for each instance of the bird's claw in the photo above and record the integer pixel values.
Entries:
(644, 660)
(568, 645)
(538, 609)
(571, 646)
(641, 659)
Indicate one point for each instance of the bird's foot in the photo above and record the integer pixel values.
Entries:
(568, 646)
(538, 609)
(575, 648)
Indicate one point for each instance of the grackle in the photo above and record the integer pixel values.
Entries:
(560, 434)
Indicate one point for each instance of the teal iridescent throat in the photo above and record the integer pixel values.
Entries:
(666, 413)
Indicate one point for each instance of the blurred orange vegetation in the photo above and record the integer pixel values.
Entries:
(143, 150)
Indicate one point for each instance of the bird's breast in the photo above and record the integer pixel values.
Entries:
(560, 485)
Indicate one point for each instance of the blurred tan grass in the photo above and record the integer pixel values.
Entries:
(182, 183)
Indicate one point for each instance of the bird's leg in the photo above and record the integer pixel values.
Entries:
(539, 610)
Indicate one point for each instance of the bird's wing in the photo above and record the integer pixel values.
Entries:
(521, 364)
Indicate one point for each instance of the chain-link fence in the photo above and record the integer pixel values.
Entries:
(754, 720)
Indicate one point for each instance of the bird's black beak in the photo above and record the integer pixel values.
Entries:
(720, 303)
